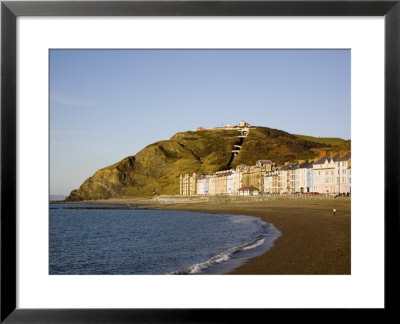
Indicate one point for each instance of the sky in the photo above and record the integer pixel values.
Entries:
(106, 105)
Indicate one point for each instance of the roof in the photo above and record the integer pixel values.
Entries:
(248, 188)
(328, 157)
(290, 166)
(322, 159)
(224, 174)
(345, 157)
(306, 165)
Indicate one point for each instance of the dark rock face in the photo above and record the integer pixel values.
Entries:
(156, 168)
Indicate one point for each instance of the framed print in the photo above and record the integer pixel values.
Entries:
(260, 130)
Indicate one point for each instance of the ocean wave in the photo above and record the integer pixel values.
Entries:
(268, 230)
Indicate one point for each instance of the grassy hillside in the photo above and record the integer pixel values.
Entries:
(157, 167)
(333, 141)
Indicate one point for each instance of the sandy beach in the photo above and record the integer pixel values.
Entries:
(313, 240)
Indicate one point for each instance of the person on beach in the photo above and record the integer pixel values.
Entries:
(334, 211)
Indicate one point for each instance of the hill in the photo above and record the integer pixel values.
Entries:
(157, 167)
(334, 141)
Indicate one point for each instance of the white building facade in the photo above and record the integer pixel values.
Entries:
(342, 166)
(324, 179)
(230, 183)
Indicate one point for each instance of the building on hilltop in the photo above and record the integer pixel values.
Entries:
(244, 132)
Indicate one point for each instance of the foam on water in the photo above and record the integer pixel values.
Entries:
(265, 240)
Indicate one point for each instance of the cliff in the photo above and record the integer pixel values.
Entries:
(156, 168)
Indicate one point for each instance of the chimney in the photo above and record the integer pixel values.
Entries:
(322, 153)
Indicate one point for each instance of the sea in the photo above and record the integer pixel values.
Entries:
(113, 240)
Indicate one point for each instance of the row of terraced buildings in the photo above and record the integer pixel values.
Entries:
(330, 173)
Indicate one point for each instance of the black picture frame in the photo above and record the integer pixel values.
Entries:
(10, 10)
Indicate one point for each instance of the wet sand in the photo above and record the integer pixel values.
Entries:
(313, 240)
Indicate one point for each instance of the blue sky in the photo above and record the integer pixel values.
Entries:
(109, 104)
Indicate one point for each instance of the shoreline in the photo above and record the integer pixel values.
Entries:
(313, 241)
(235, 256)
